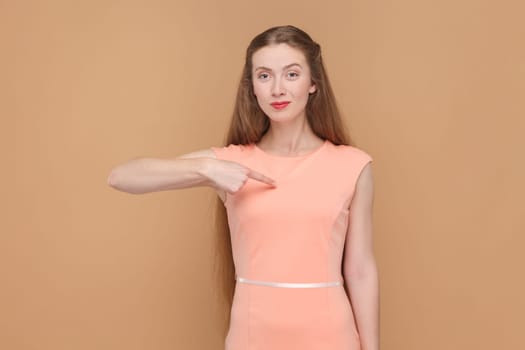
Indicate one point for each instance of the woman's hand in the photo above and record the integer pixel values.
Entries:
(230, 176)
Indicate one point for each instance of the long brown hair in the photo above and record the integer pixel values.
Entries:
(249, 123)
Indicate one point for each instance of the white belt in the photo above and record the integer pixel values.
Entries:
(290, 284)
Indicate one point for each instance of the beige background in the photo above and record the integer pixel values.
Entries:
(433, 90)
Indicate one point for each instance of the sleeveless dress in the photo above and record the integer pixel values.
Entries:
(290, 235)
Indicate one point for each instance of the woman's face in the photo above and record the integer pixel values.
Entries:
(281, 74)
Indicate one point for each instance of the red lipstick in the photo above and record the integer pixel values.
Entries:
(280, 105)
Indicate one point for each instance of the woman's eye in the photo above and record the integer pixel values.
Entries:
(293, 74)
(263, 76)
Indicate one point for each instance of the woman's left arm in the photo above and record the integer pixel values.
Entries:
(359, 266)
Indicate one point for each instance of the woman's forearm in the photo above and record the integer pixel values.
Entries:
(364, 294)
(144, 175)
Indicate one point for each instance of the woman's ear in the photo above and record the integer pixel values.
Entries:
(312, 89)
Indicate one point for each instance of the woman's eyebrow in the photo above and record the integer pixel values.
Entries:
(285, 67)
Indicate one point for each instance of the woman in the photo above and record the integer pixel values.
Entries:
(295, 203)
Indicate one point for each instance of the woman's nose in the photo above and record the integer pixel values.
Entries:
(277, 88)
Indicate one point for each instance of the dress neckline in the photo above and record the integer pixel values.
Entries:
(303, 156)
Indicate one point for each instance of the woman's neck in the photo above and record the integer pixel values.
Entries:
(289, 142)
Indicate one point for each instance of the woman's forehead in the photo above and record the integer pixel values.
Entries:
(278, 56)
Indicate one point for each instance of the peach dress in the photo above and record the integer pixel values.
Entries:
(288, 243)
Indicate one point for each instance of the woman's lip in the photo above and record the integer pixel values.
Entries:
(280, 105)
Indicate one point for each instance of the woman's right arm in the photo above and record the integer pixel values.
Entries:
(143, 175)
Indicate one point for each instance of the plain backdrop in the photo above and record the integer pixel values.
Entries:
(433, 90)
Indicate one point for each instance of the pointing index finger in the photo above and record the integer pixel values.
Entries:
(261, 177)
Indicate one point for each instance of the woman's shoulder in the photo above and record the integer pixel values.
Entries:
(352, 152)
(348, 161)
